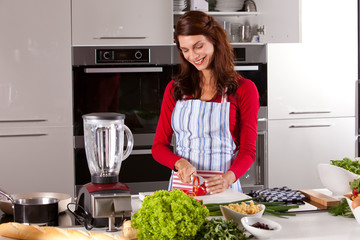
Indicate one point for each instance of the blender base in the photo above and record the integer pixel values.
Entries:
(107, 205)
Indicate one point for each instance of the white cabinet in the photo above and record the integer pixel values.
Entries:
(36, 96)
(319, 74)
(279, 19)
(121, 22)
(311, 95)
(36, 159)
(297, 146)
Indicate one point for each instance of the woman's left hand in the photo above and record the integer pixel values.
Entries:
(220, 183)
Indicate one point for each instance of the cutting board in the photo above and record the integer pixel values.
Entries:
(318, 199)
(225, 197)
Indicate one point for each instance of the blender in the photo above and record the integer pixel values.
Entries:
(105, 202)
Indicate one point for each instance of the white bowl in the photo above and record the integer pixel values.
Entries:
(236, 216)
(336, 179)
(258, 232)
(355, 211)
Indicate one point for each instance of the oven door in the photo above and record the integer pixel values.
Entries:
(135, 91)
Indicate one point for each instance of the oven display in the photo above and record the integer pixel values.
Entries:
(122, 55)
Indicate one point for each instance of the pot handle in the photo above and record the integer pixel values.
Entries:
(7, 196)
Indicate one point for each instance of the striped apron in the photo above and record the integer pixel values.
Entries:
(203, 137)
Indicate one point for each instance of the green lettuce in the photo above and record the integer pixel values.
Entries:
(169, 215)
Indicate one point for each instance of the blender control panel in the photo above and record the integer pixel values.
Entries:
(122, 55)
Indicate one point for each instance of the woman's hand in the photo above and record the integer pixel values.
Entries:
(220, 183)
(185, 170)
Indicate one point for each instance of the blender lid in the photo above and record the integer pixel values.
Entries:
(104, 116)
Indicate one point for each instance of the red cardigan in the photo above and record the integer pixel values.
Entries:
(244, 109)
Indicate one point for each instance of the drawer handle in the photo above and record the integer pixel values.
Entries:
(309, 126)
(140, 152)
(310, 112)
(24, 135)
(23, 120)
(109, 38)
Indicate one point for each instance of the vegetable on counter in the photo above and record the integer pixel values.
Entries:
(169, 215)
(220, 229)
(271, 208)
(348, 164)
(342, 209)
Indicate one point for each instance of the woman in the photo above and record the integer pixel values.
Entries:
(210, 108)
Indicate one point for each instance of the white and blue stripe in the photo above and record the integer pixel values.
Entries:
(203, 135)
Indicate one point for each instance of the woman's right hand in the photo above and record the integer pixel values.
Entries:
(184, 170)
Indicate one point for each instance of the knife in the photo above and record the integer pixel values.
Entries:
(201, 179)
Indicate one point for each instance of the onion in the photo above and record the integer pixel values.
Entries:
(129, 231)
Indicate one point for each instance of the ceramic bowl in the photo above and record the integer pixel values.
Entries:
(336, 179)
(355, 211)
(259, 233)
(236, 216)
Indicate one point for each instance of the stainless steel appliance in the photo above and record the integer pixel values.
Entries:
(127, 80)
(250, 62)
(132, 80)
(105, 199)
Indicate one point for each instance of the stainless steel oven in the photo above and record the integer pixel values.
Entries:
(132, 80)
(128, 80)
(250, 62)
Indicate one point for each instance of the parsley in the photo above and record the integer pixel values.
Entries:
(220, 229)
(348, 164)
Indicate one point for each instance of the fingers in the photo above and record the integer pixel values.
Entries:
(220, 183)
(216, 184)
(185, 170)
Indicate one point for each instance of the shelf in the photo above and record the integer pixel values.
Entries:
(225, 13)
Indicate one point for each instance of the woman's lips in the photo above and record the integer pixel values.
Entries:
(199, 62)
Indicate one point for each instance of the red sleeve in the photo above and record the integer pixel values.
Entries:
(247, 108)
(161, 148)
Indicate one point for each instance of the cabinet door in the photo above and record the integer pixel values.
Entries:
(316, 78)
(297, 146)
(37, 160)
(98, 22)
(35, 61)
(282, 20)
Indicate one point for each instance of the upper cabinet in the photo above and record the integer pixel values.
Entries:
(274, 21)
(122, 22)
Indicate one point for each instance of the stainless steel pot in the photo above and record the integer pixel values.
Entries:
(39, 211)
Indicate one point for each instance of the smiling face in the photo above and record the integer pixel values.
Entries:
(197, 49)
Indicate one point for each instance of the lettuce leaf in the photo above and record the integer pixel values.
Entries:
(169, 215)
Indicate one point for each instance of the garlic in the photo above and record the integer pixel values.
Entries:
(129, 231)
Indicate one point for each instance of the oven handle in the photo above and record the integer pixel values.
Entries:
(140, 151)
(247, 68)
(124, 70)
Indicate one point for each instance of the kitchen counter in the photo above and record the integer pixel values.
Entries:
(305, 225)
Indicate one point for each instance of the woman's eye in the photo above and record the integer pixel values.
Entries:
(200, 46)
(184, 50)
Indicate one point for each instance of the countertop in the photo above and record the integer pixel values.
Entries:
(305, 225)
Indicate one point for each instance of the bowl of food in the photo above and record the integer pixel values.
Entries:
(237, 211)
(336, 179)
(261, 228)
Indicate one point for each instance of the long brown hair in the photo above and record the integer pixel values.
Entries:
(187, 82)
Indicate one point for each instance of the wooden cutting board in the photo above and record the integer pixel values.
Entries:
(318, 199)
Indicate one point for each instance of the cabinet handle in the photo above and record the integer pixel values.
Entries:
(310, 112)
(140, 152)
(23, 120)
(107, 38)
(24, 135)
(124, 70)
(310, 126)
(262, 119)
(247, 68)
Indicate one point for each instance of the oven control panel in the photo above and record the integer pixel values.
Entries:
(122, 55)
